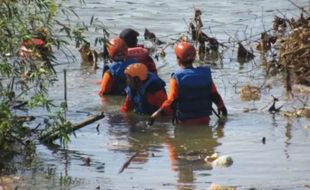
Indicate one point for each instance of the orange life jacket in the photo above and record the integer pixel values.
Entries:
(141, 55)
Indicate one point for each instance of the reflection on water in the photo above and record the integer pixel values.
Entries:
(187, 150)
(171, 157)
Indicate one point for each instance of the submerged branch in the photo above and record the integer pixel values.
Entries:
(51, 136)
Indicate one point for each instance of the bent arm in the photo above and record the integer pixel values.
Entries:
(106, 84)
(172, 96)
(127, 105)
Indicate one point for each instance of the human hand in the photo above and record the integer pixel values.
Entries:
(150, 121)
(100, 93)
(222, 111)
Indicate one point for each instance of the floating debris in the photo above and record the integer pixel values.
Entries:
(86, 161)
(279, 24)
(248, 93)
(151, 37)
(302, 112)
(294, 52)
(273, 108)
(265, 42)
(245, 110)
(219, 161)
(301, 89)
(126, 164)
(162, 53)
(223, 161)
(215, 186)
(212, 157)
(243, 54)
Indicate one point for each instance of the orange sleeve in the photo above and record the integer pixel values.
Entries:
(172, 95)
(106, 83)
(127, 105)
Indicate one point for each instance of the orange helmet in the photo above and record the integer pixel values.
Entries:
(185, 51)
(117, 47)
(137, 70)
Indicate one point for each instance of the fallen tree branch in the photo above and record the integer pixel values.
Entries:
(51, 136)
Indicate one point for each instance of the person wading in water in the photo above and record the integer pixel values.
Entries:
(192, 90)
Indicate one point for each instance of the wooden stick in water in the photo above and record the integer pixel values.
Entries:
(50, 137)
(126, 164)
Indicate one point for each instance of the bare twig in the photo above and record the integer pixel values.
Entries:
(299, 7)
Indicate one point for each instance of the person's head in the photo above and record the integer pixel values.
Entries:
(130, 36)
(117, 49)
(136, 75)
(185, 53)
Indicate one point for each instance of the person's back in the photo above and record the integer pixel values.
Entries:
(145, 91)
(192, 90)
(194, 93)
(114, 79)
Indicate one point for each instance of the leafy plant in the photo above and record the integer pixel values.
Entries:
(27, 75)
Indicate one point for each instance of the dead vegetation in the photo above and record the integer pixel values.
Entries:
(301, 112)
(289, 45)
(294, 51)
(250, 93)
(208, 47)
(89, 56)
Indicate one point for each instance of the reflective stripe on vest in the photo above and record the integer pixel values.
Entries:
(117, 69)
(139, 98)
(194, 93)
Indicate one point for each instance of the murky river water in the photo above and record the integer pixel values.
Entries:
(95, 157)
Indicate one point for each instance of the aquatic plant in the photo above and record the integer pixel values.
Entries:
(31, 33)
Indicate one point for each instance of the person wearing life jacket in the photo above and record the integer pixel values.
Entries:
(27, 47)
(114, 79)
(136, 51)
(192, 90)
(145, 91)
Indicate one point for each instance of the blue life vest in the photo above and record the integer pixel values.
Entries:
(117, 68)
(194, 93)
(153, 84)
